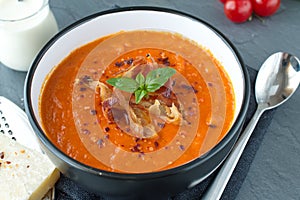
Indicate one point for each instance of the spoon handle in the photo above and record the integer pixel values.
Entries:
(215, 190)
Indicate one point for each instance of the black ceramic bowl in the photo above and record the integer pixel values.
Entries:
(156, 184)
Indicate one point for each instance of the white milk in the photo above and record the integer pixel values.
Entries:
(25, 26)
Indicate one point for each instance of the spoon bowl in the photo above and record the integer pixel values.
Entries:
(276, 81)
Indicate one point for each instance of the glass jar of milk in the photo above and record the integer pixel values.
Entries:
(25, 26)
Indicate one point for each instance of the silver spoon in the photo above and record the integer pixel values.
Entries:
(276, 81)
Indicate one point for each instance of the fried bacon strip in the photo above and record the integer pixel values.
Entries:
(141, 120)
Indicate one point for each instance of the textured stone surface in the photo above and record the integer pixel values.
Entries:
(274, 172)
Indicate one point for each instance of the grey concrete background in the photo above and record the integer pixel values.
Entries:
(275, 170)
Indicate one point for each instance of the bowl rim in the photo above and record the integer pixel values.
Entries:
(135, 176)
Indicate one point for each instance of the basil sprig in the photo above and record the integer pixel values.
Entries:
(141, 86)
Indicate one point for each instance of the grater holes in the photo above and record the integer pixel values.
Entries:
(5, 128)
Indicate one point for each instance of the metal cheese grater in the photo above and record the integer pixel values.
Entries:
(14, 124)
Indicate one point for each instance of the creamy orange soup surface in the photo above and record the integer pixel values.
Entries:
(103, 127)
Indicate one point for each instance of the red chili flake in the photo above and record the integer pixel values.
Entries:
(2, 155)
(136, 148)
(173, 83)
(209, 84)
(8, 162)
(86, 131)
(82, 89)
(189, 88)
(156, 144)
(129, 61)
(164, 61)
(212, 126)
(87, 79)
(93, 112)
(167, 93)
(161, 125)
(119, 64)
(179, 93)
(181, 147)
(100, 143)
(141, 154)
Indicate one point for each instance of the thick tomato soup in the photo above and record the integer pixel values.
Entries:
(137, 101)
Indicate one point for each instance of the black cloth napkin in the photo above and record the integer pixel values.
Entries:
(69, 190)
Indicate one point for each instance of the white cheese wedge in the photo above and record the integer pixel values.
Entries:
(24, 173)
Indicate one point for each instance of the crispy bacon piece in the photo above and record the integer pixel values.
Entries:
(166, 113)
(143, 120)
(107, 105)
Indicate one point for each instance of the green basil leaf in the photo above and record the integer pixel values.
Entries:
(158, 77)
(139, 95)
(124, 83)
(141, 85)
(140, 79)
(153, 87)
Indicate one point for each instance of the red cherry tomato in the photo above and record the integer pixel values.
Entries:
(265, 7)
(238, 11)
